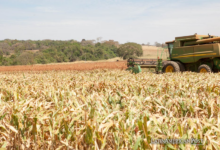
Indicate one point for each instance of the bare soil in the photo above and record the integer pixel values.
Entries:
(73, 66)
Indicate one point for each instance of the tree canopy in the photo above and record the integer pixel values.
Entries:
(20, 52)
(17, 52)
(129, 50)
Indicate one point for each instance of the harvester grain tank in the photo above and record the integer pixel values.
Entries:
(197, 53)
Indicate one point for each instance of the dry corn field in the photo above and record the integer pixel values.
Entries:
(108, 109)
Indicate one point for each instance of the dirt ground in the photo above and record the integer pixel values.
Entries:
(73, 66)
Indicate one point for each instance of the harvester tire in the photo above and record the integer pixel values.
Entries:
(164, 63)
(182, 67)
(204, 69)
(171, 66)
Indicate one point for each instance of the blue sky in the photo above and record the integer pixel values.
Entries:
(138, 21)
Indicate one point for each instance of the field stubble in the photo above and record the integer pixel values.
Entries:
(108, 109)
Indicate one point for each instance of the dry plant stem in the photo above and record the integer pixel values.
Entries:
(108, 109)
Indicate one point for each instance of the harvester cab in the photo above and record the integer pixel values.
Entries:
(170, 48)
(196, 53)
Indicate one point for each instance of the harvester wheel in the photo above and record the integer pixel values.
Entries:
(204, 69)
(171, 66)
(164, 63)
(182, 67)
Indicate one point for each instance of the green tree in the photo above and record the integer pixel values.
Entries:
(26, 58)
(128, 50)
(1, 56)
(51, 51)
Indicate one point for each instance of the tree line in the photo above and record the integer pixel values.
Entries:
(157, 44)
(20, 52)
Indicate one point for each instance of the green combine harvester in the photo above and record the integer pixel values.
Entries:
(196, 53)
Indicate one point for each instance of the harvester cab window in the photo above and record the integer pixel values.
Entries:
(170, 47)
